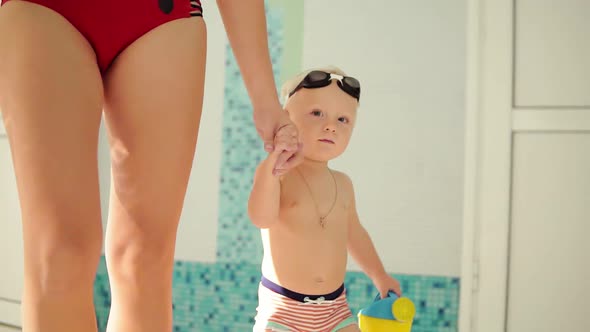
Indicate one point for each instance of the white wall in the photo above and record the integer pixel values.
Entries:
(406, 155)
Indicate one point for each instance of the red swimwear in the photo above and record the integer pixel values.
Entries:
(112, 25)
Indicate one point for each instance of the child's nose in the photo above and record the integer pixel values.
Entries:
(330, 127)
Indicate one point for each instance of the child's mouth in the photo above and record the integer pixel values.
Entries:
(325, 140)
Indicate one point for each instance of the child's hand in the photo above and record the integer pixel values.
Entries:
(287, 149)
(386, 283)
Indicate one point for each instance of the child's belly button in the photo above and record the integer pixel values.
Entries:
(319, 280)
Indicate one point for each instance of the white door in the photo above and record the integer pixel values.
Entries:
(549, 269)
(527, 257)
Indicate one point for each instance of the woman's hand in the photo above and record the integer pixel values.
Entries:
(280, 136)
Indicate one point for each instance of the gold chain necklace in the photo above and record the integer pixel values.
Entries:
(322, 218)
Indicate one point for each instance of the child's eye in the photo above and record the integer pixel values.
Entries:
(316, 113)
(343, 119)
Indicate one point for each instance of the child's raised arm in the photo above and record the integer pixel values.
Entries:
(265, 197)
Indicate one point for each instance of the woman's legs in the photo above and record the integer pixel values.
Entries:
(51, 101)
(154, 94)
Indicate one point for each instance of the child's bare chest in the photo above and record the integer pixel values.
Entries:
(324, 206)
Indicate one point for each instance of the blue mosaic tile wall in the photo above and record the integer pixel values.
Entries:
(223, 296)
(238, 240)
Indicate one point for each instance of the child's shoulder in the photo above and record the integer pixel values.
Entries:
(342, 177)
(345, 186)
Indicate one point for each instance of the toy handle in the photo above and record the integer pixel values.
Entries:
(390, 293)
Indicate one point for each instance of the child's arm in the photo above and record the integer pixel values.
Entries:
(362, 250)
(265, 197)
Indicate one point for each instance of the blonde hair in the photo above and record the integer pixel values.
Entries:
(292, 83)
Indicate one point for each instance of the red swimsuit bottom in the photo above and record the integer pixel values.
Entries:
(112, 25)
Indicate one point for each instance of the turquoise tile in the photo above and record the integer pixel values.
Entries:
(223, 297)
(238, 240)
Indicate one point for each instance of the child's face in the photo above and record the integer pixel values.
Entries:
(325, 118)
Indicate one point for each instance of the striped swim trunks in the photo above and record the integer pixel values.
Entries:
(283, 310)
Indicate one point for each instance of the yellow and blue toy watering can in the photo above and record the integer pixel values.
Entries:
(391, 314)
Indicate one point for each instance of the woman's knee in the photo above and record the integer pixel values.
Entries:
(62, 260)
(140, 251)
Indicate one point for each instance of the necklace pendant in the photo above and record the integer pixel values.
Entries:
(322, 220)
